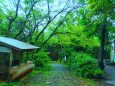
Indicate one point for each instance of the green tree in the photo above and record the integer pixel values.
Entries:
(101, 12)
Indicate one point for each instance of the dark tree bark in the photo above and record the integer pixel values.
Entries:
(24, 23)
(102, 44)
(11, 20)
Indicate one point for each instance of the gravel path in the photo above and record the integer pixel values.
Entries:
(61, 76)
(111, 74)
(58, 76)
(58, 67)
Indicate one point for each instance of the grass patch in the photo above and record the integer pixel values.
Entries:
(86, 82)
(45, 68)
(9, 84)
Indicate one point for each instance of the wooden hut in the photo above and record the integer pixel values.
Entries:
(11, 57)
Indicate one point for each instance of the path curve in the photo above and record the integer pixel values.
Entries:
(58, 67)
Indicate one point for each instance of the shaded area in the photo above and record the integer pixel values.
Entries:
(109, 78)
(111, 74)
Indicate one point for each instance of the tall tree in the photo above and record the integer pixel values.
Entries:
(102, 10)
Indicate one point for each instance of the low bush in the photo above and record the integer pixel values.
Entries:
(84, 65)
(42, 59)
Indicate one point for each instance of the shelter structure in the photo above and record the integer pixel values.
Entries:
(13, 61)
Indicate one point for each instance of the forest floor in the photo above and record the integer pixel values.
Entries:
(59, 75)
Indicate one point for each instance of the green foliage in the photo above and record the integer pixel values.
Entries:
(81, 1)
(101, 6)
(94, 51)
(84, 65)
(80, 28)
(69, 50)
(9, 84)
(107, 51)
(42, 59)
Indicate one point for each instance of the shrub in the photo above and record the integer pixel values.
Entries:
(94, 51)
(84, 65)
(42, 59)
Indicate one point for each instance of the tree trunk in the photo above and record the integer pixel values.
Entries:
(102, 44)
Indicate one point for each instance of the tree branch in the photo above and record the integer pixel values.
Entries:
(48, 7)
(49, 21)
(24, 23)
(33, 30)
(58, 26)
(13, 19)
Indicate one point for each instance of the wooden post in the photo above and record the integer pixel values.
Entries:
(27, 56)
(10, 66)
(32, 54)
(10, 62)
(21, 56)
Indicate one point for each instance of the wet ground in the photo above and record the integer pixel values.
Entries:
(109, 78)
(56, 67)
(60, 76)
(110, 70)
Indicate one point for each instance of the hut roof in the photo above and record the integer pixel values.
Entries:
(16, 44)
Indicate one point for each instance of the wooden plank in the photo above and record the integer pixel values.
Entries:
(22, 70)
(21, 74)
